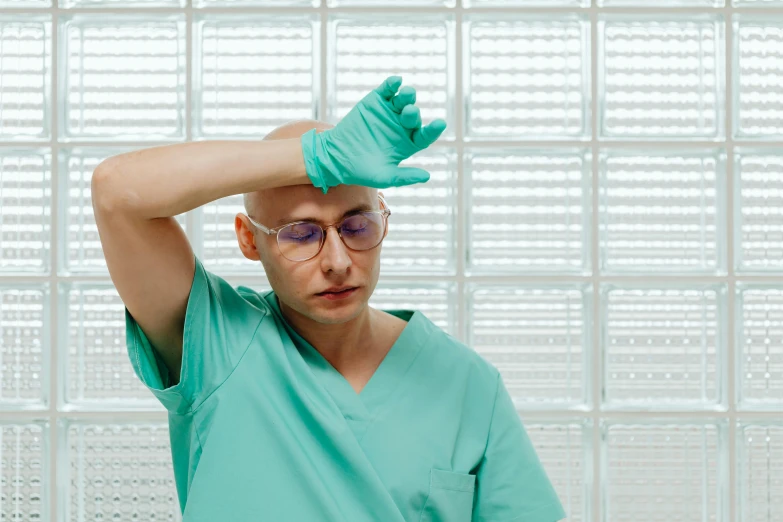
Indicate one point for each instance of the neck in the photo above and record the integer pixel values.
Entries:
(345, 345)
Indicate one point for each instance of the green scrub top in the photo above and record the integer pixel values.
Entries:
(263, 428)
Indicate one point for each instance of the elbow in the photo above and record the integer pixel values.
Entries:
(105, 192)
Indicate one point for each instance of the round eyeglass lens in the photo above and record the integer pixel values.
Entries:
(301, 241)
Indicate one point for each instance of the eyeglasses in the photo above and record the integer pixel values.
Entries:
(303, 240)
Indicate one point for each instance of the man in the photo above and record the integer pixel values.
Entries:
(303, 403)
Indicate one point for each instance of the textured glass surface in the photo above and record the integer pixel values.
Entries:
(122, 77)
(25, 75)
(93, 351)
(121, 3)
(422, 235)
(526, 78)
(758, 3)
(25, 3)
(525, 3)
(660, 78)
(538, 338)
(527, 211)
(25, 210)
(760, 346)
(661, 211)
(758, 85)
(215, 233)
(562, 449)
(80, 249)
(760, 470)
(435, 300)
(661, 3)
(256, 3)
(117, 472)
(385, 3)
(363, 52)
(758, 220)
(662, 472)
(24, 471)
(24, 338)
(252, 72)
(505, 205)
(662, 346)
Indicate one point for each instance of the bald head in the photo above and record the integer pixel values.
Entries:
(291, 129)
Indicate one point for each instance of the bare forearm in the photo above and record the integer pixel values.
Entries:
(168, 180)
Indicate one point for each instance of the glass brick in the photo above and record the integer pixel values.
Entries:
(758, 77)
(93, 354)
(116, 471)
(121, 4)
(255, 3)
(16, 4)
(525, 3)
(528, 210)
(25, 74)
(24, 342)
(759, 313)
(662, 211)
(421, 52)
(527, 78)
(250, 73)
(663, 348)
(437, 301)
(758, 220)
(80, 249)
(397, 4)
(758, 3)
(537, 337)
(122, 77)
(660, 78)
(760, 471)
(24, 471)
(662, 472)
(215, 238)
(661, 3)
(422, 235)
(564, 449)
(25, 210)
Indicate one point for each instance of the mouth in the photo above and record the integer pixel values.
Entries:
(337, 294)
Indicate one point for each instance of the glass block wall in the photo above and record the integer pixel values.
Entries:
(602, 223)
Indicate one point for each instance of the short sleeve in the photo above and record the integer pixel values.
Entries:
(511, 484)
(219, 326)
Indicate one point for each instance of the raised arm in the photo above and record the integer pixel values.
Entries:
(135, 196)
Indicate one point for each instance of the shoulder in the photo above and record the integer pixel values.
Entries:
(460, 360)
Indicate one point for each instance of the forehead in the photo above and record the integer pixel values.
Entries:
(280, 205)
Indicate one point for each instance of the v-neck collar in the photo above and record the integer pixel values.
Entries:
(360, 408)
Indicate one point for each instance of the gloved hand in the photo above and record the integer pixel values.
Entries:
(367, 145)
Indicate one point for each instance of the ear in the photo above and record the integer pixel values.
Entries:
(246, 237)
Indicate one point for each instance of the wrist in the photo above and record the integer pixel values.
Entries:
(312, 150)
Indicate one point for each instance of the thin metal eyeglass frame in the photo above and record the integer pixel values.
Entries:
(385, 213)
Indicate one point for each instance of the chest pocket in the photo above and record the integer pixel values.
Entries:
(450, 497)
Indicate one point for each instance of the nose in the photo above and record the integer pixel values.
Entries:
(334, 253)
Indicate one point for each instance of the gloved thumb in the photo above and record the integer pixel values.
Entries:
(410, 175)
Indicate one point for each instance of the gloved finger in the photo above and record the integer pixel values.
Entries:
(389, 87)
(426, 136)
(406, 96)
(411, 117)
(411, 175)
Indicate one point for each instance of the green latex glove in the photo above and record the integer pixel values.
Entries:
(368, 144)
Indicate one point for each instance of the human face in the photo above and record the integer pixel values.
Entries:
(299, 283)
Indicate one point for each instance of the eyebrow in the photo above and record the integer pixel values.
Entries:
(359, 208)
